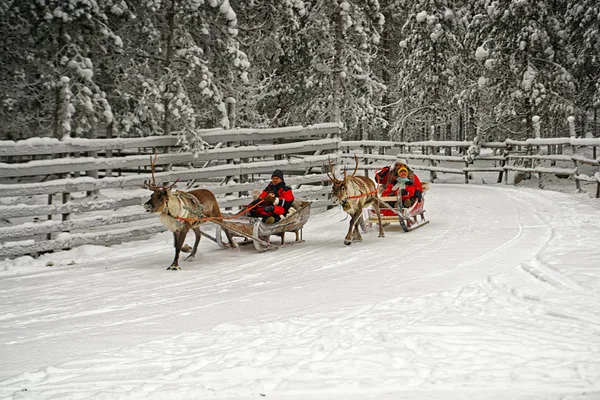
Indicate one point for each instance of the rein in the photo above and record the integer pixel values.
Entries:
(362, 195)
(204, 219)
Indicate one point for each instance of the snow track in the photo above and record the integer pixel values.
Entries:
(487, 300)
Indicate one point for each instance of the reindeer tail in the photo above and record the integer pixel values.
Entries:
(425, 186)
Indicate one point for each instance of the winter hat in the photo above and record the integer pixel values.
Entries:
(402, 161)
(278, 173)
(402, 170)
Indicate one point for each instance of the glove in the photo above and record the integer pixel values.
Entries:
(269, 209)
(410, 183)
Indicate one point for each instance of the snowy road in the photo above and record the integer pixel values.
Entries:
(499, 295)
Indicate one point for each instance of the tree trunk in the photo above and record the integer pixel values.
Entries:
(337, 62)
(168, 62)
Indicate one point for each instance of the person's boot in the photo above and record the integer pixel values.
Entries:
(269, 220)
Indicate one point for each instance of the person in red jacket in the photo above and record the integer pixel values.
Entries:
(413, 190)
(274, 201)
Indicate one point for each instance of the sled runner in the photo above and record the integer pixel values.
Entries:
(253, 230)
(392, 211)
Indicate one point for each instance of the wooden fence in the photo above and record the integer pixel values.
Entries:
(61, 194)
(65, 183)
(564, 157)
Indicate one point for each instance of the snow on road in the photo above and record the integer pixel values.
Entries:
(497, 297)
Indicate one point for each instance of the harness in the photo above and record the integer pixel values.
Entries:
(359, 182)
(194, 210)
(202, 219)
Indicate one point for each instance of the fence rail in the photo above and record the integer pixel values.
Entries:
(31, 170)
(66, 208)
(526, 156)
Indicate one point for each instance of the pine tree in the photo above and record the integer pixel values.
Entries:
(427, 75)
(318, 59)
(52, 63)
(523, 48)
(582, 17)
(182, 61)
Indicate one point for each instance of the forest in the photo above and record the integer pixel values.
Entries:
(384, 69)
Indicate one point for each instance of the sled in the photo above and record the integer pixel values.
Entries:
(253, 230)
(392, 211)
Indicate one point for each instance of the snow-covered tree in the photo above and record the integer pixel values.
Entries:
(55, 68)
(430, 56)
(524, 50)
(318, 59)
(182, 57)
(583, 17)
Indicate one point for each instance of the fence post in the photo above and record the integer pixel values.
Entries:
(573, 135)
(49, 235)
(538, 163)
(432, 174)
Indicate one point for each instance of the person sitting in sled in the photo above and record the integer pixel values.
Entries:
(413, 190)
(274, 201)
(387, 176)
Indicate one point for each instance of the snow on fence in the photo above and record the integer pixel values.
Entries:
(577, 157)
(57, 194)
(88, 175)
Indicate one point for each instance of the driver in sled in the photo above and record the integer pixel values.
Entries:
(274, 201)
(411, 194)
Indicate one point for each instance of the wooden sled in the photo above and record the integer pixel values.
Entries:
(409, 219)
(253, 230)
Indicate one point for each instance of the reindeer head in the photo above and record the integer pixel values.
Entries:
(339, 189)
(160, 194)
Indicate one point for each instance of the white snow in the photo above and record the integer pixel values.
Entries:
(496, 298)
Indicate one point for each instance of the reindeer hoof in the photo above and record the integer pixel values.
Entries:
(347, 242)
(174, 268)
(186, 249)
(381, 235)
(190, 258)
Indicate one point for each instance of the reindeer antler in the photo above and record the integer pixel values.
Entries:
(356, 167)
(332, 176)
(152, 184)
(172, 184)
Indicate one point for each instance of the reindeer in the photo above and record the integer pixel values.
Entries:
(181, 211)
(354, 193)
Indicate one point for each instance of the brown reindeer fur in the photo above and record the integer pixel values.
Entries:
(172, 205)
(354, 193)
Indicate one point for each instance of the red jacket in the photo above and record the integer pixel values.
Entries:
(416, 185)
(284, 195)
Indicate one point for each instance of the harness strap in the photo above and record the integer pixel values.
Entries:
(364, 186)
(203, 219)
(362, 195)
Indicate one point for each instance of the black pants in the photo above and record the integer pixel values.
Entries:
(264, 215)
(418, 196)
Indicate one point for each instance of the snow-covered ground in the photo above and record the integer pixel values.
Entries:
(497, 298)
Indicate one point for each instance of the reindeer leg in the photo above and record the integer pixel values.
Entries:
(357, 237)
(196, 243)
(185, 248)
(180, 238)
(230, 239)
(351, 228)
(378, 211)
